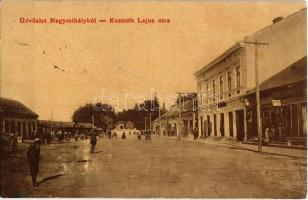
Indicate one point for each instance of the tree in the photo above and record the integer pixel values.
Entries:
(141, 111)
(104, 115)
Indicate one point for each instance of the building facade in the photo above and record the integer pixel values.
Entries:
(221, 84)
(224, 82)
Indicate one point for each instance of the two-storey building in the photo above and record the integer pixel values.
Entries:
(221, 84)
(223, 110)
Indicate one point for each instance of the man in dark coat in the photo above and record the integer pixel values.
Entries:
(33, 155)
(93, 141)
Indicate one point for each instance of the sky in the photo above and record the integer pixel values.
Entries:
(54, 68)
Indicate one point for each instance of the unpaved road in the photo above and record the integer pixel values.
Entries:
(158, 168)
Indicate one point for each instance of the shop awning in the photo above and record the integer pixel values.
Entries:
(295, 73)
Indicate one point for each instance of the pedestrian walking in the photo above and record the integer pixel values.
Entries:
(76, 137)
(123, 136)
(93, 141)
(195, 134)
(33, 155)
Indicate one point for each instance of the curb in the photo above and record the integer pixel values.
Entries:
(242, 148)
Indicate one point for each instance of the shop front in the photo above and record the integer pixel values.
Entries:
(283, 108)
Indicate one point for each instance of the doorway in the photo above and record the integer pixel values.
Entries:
(201, 120)
(222, 124)
(209, 131)
(231, 124)
(240, 125)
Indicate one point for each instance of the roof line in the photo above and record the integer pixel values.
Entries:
(219, 58)
(268, 26)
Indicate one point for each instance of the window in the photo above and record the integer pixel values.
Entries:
(238, 79)
(199, 86)
(229, 83)
(207, 88)
(221, 85)
(214, 88)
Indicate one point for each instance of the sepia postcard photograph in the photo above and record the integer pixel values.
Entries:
(153, 99)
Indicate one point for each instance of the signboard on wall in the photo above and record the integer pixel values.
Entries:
(276, 102)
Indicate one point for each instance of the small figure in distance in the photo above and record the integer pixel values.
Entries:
(123, 136)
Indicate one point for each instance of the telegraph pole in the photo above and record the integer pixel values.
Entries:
(51, 120)
(150, 122)
(159, 119)
(180, 114)
(180, 117)
(259, 121)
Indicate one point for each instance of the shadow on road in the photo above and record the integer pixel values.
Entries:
(50, 178)
(97, 152)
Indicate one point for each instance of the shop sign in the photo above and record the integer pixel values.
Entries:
(276, 102)
(222, 104)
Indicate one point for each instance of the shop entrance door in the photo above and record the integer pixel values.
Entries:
(215, 130)
(240, 125)
(222, 124)
(209, 131)
(231, 124)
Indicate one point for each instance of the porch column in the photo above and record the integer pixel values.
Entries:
(177, 123)
(218, 124)
(35, 125)
(21, 128)
(27, 130)
(227, 125)
(16, 127)
(31, 129)
(212, 125)
(9, 126)
(234, 126)
(194, 120)
(199, 124)
(3, 126)
(245, 125)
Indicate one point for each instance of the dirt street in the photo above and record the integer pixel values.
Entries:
(157, 168)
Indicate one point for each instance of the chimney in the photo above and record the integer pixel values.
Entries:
(277, 19)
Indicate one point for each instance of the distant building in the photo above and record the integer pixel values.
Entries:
(155, 126)
(78, 127)
(119, 125)
(124, 127)
(223, 83)
(170, 121)
(17, 118)
(129, 125)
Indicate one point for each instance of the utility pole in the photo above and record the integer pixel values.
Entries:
(51, 120)
(180, 114)
(159, 119)
(259, 121)
(150, 123)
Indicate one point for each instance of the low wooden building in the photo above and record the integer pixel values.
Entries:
(17, 118)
